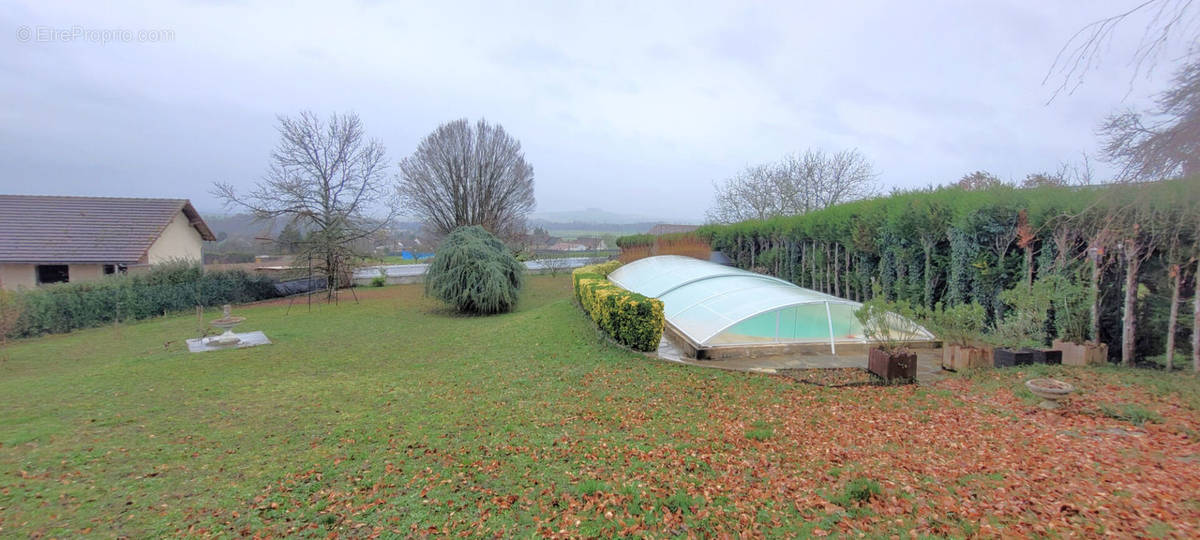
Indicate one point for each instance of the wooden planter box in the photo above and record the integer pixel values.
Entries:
(957, 358)
(1082, 354)
(898, 366)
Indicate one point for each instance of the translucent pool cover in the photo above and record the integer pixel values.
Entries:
(720, 305)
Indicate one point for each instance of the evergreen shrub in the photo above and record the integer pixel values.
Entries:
(475, 273)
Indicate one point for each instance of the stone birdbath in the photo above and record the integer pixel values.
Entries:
(1050, 390)
(226, 323)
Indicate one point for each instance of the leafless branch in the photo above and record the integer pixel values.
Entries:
(1082, 52)
(464, 174)
(327, 177)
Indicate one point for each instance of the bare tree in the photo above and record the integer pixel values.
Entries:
(1036, 180)
(753, 193)
(840, 177)
(979, 180)
(796, 184)
(1168, 20)
(325, 176)
(464, 174)
(1162, 143)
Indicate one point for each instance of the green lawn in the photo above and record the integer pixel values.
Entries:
(393, 417)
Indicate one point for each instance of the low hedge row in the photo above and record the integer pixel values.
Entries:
(170, 288)
(633, 320)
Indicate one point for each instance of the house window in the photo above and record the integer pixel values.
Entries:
(52, 273)
(114, 269)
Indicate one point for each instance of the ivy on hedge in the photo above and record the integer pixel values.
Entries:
(631, 319)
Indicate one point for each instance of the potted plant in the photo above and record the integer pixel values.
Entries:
(1021, 334)
(1072, 319)
(960, 328)
(889, 327)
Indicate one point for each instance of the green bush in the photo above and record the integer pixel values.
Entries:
(1024, 323)
(960, 325)
(380, 280)
(887, 325)
(162, 290)
(475, 273)
(631, 319)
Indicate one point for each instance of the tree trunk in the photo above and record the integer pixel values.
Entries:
(813, 267)
(837, 272)
(791, 261)
(928, 278)
(1196, 318)
(1095, 309)
(803, 263)
(812, 260)
(778, 255)
(1173, 320)
(1129, 312)
(850, 291)
(1029, 268)
(826, 282)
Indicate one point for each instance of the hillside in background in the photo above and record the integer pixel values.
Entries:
(591, 215)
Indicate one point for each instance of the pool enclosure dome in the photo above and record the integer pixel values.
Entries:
(714, 305)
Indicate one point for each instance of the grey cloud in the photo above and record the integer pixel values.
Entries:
(630, 107)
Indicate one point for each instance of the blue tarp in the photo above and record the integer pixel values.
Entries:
(410, 256)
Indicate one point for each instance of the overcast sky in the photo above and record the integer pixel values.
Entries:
(631, 107)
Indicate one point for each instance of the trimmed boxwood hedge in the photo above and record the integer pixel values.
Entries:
(631, 319)
(165, 289)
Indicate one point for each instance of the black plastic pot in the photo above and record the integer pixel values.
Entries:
(1052, 356)
(1004, 357)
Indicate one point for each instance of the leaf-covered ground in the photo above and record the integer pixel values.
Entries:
(391, 417)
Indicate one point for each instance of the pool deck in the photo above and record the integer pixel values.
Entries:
(929, 362)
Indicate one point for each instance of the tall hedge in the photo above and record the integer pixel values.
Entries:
(631, 319)
(956, 246)
(162, 290)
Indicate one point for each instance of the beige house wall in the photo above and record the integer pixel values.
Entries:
(179, 241)
(15, 276)
(84, 272)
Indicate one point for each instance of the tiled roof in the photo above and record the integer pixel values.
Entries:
(48, 229)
